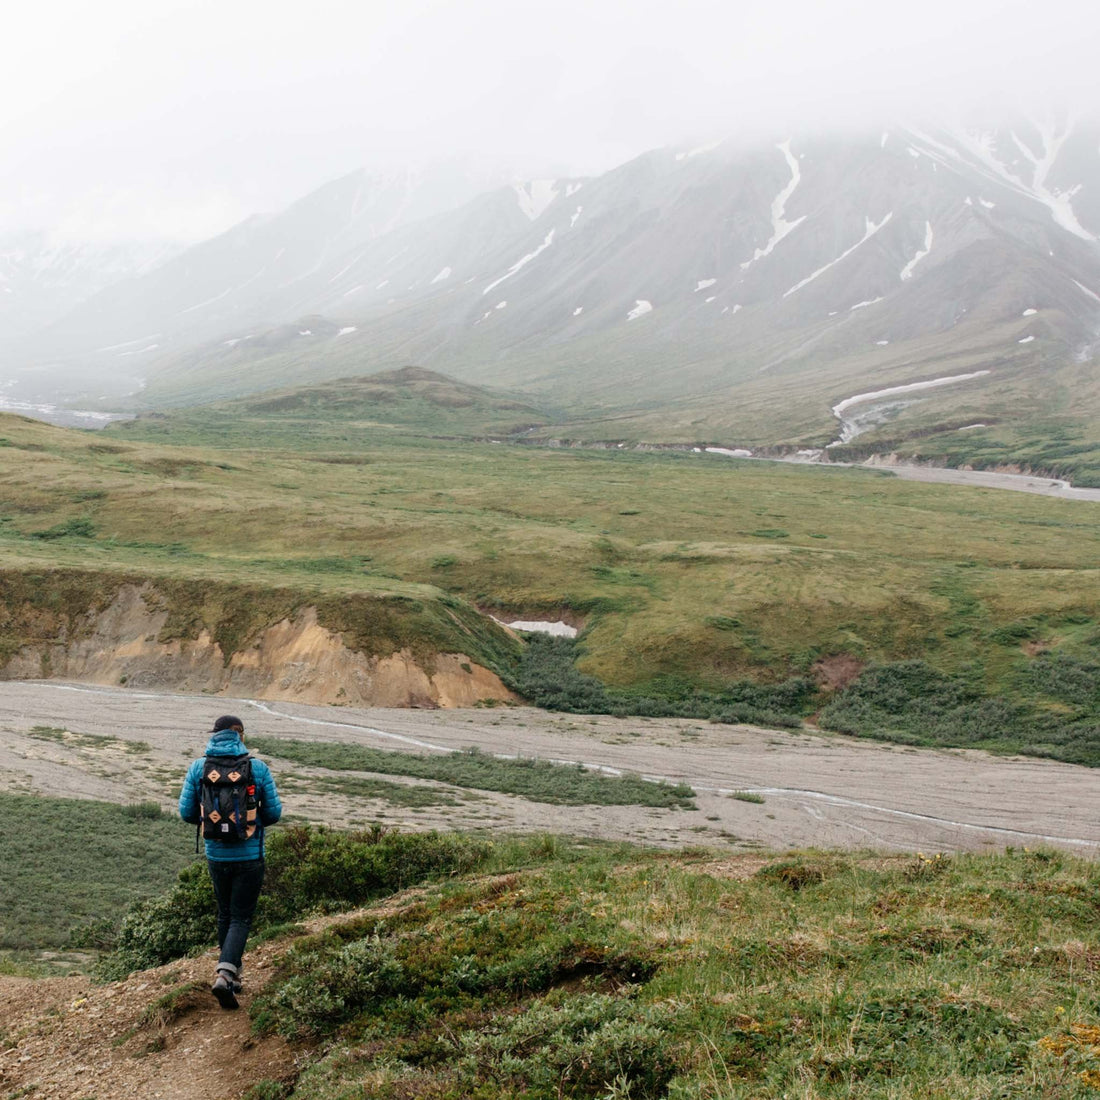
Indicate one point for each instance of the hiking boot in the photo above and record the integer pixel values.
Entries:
(223, 990)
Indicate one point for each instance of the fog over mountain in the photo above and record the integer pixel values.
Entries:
(679, 293)
(633, 210)
(177, 120)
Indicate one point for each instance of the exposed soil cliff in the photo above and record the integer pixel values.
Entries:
(132, 635)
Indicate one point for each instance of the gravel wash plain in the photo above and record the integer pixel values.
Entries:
(826, 791)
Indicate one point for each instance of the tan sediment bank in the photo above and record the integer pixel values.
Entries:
(296, 658)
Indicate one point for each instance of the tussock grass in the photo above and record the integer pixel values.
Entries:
(406, 795)
(824, 977)
(86, 740)
(69, 862)
(537, 780)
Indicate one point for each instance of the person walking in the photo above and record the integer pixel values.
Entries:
(232, 798)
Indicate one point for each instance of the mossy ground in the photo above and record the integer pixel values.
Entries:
(817, 976)
(543, 968)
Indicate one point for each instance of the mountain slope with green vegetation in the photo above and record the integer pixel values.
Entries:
(341, 412)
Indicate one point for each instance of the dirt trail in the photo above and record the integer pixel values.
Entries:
(818, 790)
(73, 1040)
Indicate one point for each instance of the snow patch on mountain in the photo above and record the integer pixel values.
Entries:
(871, 229)
(1025, 340)
(863, 305)
(208, 302)
(980, 148)
(130, 343)
(907, 270)
(702, 284)
(576, 215)
(522, 262)
(1091, 293)
(444, 274)
(641, 307)
(348, 328)
(536, 196)
(780, 226)
(343, 271)
(699, 150)
(910, 387)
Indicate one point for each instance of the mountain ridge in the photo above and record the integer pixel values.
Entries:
(745, 290)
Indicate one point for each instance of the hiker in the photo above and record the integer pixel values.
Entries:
(231, 798)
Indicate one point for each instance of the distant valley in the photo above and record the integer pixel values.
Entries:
(724, 294)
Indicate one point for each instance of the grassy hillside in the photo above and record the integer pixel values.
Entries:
(338, 412)
(545, 968)
(686, 570)
(69, 862)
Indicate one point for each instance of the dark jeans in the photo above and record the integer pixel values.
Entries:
(237, 889)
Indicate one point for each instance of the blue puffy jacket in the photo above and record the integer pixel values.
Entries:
(229, 743)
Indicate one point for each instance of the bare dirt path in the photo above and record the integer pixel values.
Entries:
(158, 1035)
(820, 791)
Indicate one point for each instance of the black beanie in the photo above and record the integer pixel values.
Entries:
(227, 721)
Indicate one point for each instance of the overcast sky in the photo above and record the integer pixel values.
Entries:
(138, 118)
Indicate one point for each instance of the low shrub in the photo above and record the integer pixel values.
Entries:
(537, 780)
(548, 677)
(1063, 678)
(581, 1048)
(307, 870)
(81, 527)
(912, 703)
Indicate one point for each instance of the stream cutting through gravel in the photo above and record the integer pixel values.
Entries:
(818, 790)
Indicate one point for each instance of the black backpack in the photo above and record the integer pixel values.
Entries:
(227, 799)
